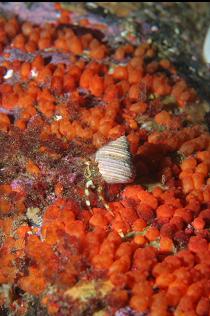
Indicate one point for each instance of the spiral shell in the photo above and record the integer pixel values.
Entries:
(115, 161)
(34, 216)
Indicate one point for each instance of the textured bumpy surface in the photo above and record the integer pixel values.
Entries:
(88, 95)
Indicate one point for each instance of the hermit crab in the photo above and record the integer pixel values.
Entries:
(114, 163)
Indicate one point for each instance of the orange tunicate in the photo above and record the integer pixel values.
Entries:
(138, 225)
(61, 44)
(140, 240)
(44, 75)
(4, 122)
(134, 92)
(21, 124)
(19, 41)
(165, 211)
(47, 108)
(163, 118)
(58, 189)
(164, 280)
(120, 73)
(120, 265)
(86, 78)
(161, 86)
(98, 220)
(138, 107)
(26, 101)
(34, 283)
(96, 85)
(188, 184)
(152, 67)
(98, 52)
(35, 35)
(125, 248)
(139, 303)
(141, 49)
(5, 188)
(157, 191)
(86, 39)
(198, 244)
(147, 198)
(166, 244)
(11, 27)
(75, 228)
(52, 212)
(198, 180)
(105, 125)
(57, 84)
(37, 63)
(25, 70)
(133, 139)
(186, 173)
(131, 192)
(5, 206)
(152, 234)
(198, 223)
(32, 168)
(75, 45)
(206, 193)
(189, 163)
(145, 211)
(102, 261)
(203, 306)
(98, 140)
(128, 214)
(123, 86)
(118, 279)
(204, 156)
(202, 168)
(119, 53)
(44, 42)
(137, 62)
(185, 214)
(134, 74)
(76, 70)
(195, 194)
(116, 131)
(9, 101)
(27, 28)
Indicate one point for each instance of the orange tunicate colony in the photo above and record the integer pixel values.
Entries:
(154, 249)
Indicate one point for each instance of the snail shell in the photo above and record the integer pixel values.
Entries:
(34, 216)
(206, 47)
(115, 161)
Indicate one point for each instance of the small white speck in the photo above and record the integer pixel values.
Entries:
(9, 74)
(58, 117)
(87, 193)
(87, 203)
(206, 47)
(111, 71)
(154, 28)
(34, 73)
(177, 31)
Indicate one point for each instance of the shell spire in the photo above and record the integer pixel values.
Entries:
(115, 161)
